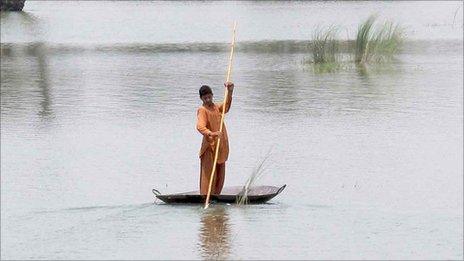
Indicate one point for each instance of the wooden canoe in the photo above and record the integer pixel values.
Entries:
(255, 195)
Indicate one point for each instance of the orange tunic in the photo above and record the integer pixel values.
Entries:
(209, 120)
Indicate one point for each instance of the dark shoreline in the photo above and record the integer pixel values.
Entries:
(270, 46)
(12, 5)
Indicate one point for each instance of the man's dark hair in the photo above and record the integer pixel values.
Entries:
(205, 89)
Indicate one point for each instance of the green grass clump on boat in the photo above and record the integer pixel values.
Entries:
(255, 175)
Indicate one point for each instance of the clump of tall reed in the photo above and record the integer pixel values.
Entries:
(375, 43)
(324, 45)
(325, 49)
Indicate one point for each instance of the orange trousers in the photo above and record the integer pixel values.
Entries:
(206, 167)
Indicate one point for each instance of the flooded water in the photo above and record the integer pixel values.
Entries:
(98, 106)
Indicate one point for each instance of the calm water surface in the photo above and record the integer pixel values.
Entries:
(98, 106)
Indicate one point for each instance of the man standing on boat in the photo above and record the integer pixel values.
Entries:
(208, 124)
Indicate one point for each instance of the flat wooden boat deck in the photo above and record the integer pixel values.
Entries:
(255, 195)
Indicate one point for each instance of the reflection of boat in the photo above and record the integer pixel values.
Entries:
(254, 195)
(12, 5)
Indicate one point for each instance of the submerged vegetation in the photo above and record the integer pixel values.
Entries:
(374, 43)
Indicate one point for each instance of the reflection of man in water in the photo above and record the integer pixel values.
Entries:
(209, 121)
(215, 234)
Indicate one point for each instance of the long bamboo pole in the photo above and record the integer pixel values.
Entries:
(229, 71)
